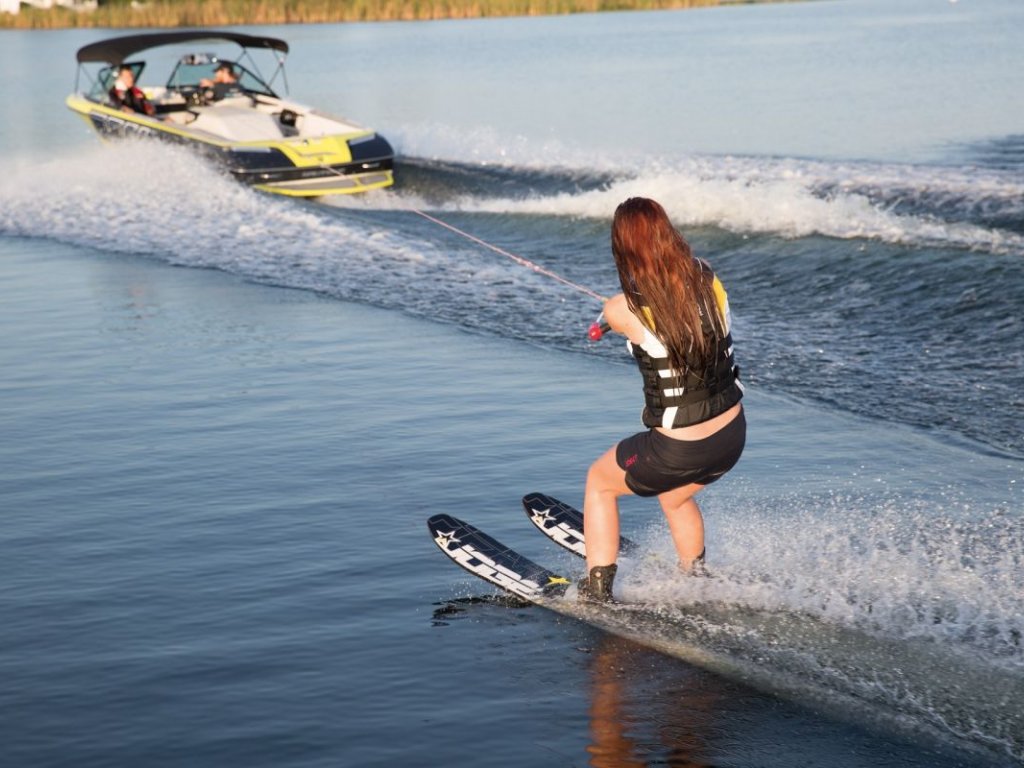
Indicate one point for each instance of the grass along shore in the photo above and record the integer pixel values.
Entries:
(212, 13)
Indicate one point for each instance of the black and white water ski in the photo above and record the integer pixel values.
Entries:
(492, 561)
(563, 524)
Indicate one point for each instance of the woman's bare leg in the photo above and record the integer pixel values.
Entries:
(606, 481)
(684, 521)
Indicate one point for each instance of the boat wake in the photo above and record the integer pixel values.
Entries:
(922, 206)
(954, 301)
(154, 200)
(977, 205)
(925, 206)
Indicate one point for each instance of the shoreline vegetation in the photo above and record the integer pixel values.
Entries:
(212, 13)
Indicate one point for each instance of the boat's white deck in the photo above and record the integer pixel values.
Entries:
(239, 120)
(237, 123)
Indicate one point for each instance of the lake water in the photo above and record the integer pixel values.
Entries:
(225, 417)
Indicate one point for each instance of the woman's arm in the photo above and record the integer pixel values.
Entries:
(621, 320)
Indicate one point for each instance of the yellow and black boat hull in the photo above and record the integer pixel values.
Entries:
(297, 166)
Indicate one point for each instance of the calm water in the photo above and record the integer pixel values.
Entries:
(214, 478)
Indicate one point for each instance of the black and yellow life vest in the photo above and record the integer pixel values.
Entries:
(703, 391)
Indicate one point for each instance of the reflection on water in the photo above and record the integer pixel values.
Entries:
(623, 685)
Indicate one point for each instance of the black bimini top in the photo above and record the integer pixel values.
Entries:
(117, 49)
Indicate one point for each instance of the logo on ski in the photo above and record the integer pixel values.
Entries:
(492, 561)
(563, 523)
(560, 531)
(475, 561)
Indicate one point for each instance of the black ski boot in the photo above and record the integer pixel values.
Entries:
(597, 587)
(698, 567)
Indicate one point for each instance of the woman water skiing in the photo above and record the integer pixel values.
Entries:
(675, 314)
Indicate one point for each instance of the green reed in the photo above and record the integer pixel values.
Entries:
(209, 13)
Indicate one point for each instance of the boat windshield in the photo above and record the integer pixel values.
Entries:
(195, 67)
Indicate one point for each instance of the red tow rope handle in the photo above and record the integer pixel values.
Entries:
(598, 328)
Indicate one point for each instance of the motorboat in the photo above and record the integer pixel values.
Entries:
(259, 137)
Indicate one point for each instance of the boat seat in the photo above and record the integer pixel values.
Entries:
(169, 107)
(237, 123)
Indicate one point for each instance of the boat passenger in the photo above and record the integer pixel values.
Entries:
(675, 313)
(128, 97)
(224, 83)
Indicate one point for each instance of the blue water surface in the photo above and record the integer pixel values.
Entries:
(226, 417)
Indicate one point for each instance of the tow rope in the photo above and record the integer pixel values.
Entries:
(596, 330)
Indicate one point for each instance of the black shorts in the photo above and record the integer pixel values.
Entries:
(655, 463)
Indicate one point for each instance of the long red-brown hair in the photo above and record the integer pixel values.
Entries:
(658, 271)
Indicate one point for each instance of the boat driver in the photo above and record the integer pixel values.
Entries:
(128, 97)
(224, 84)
